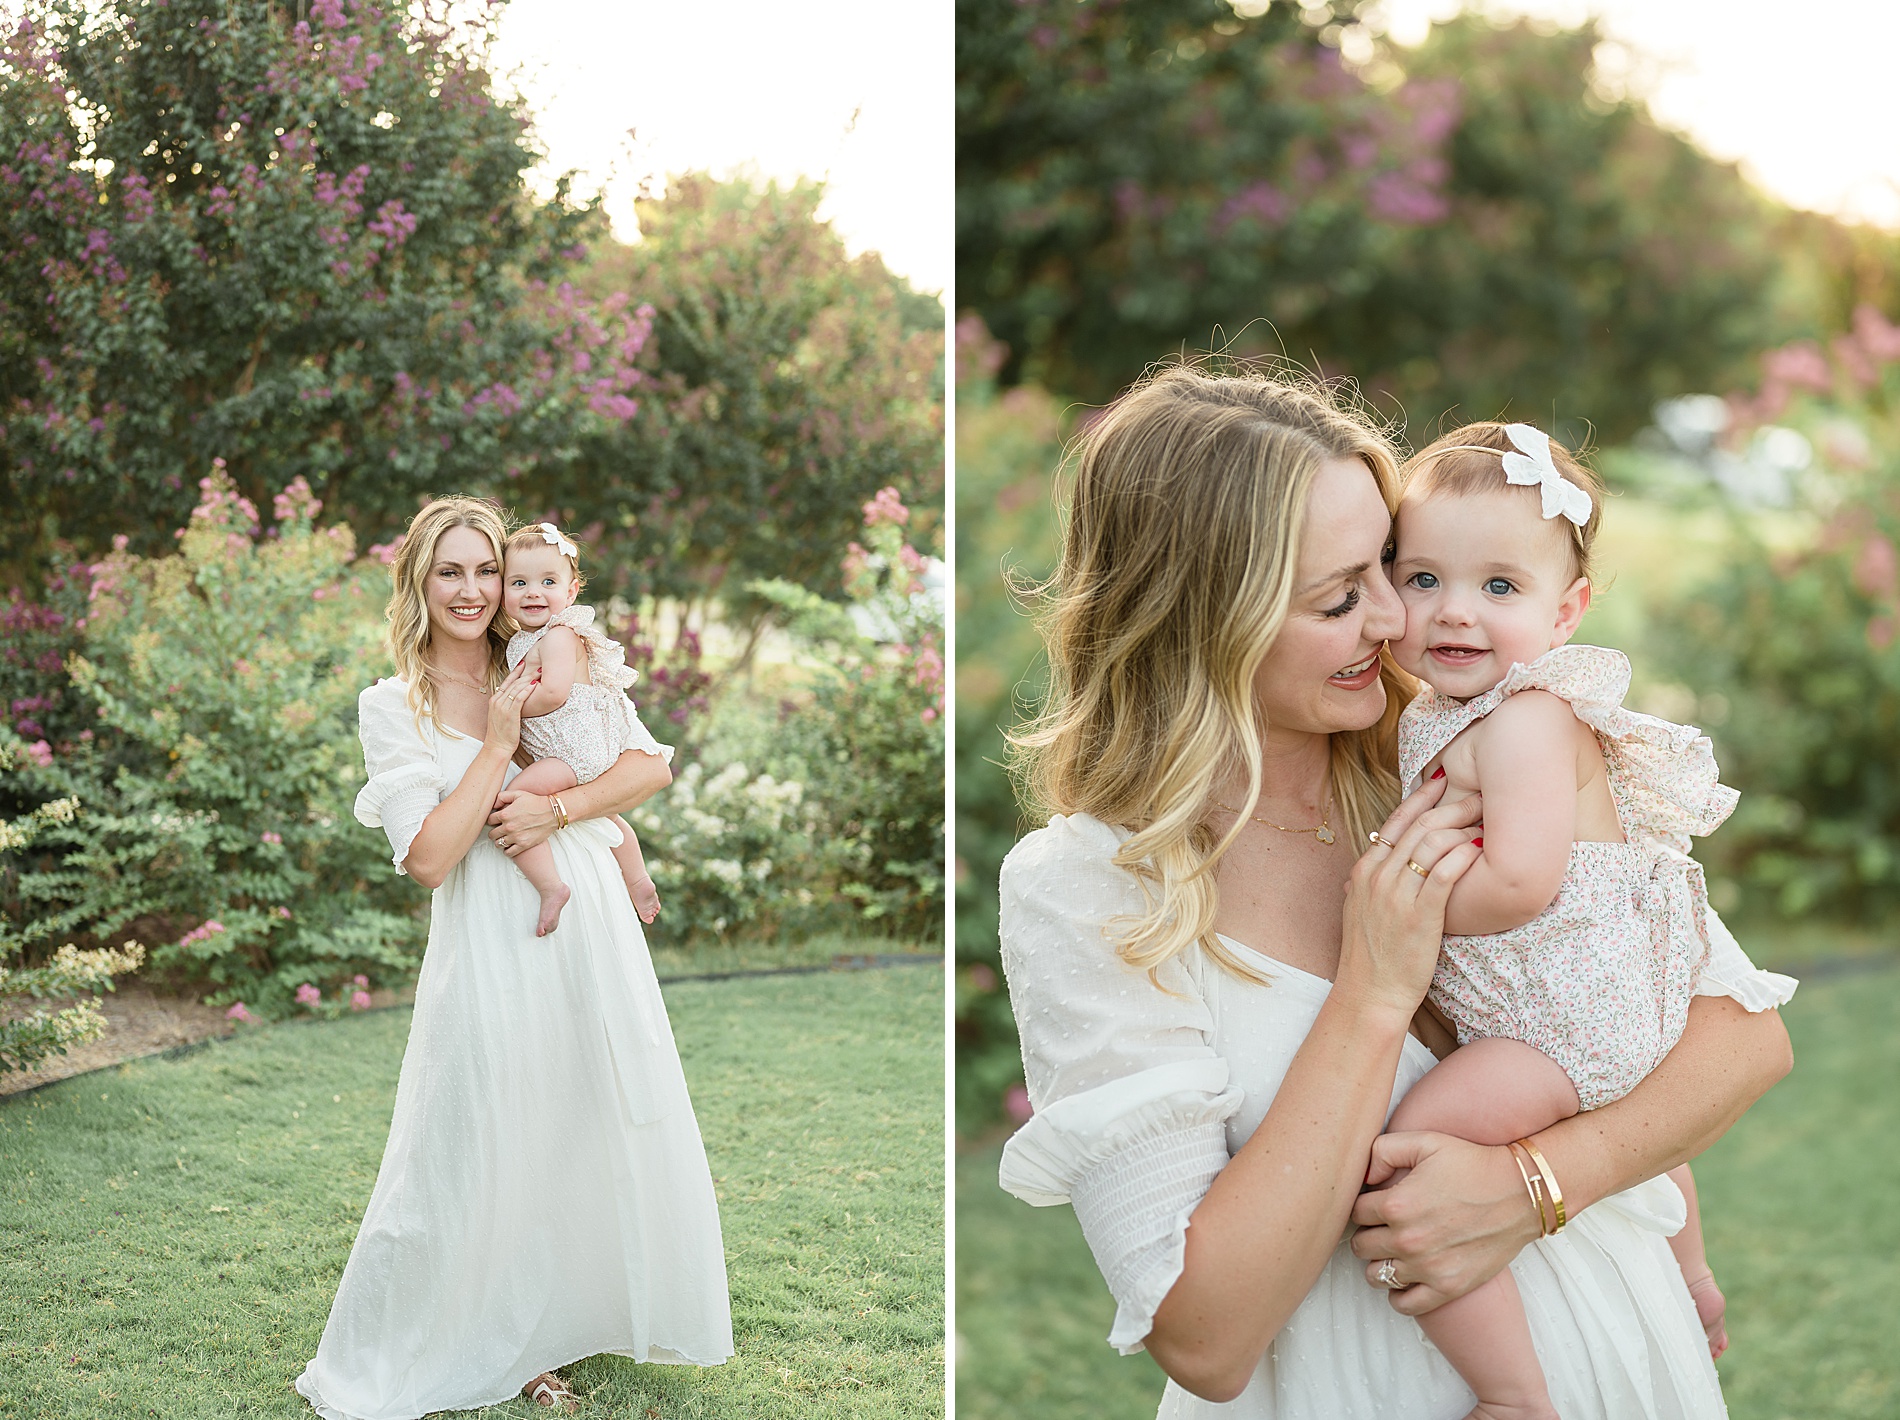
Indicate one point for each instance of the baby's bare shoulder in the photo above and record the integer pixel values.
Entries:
(1534, 719)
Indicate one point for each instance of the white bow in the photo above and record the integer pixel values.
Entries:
(555, 538)
(1533, 465)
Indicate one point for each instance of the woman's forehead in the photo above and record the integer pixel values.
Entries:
(463, 546)
(1345, 513)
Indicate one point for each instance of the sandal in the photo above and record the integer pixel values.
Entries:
(549, 1389)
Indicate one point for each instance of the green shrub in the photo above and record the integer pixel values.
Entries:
(871, 739)
(218, 825)
(28, 1039)
(1007, 450)
(1796, 639)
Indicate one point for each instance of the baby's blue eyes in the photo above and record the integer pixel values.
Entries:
(1493, 586)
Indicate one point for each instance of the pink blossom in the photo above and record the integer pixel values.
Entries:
(283, 912)
(1016, 1104)
(360, 980)
(887, 507)
(40, 753)
(359, 1001)
(308, 995)
(1877, 568)
(1801, 365)
(296, 502)
(273, 838)
(239, 1012)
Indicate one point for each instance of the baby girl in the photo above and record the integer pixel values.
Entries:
(1581, 931)
(578, 720)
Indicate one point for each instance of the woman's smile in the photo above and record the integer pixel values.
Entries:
(1357, 676)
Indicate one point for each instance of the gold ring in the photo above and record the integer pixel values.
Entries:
(1379, 838)
(1422, 872)
(1388, 1274)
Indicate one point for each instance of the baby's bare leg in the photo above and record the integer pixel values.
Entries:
(1711, 1306)
(1491, 1092)
(633, 868)
(544, 776)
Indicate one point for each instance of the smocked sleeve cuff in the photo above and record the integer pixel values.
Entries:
(1730, 973)
(397, 801)
(1134, 1157)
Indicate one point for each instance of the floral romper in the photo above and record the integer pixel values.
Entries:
(1601, 979)
(598, 722)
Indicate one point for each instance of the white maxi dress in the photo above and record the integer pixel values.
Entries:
(1142, 1096)
(544, 1194)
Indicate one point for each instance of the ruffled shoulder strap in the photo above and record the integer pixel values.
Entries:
(1663, 775)
(1433, 721)
(606, 658)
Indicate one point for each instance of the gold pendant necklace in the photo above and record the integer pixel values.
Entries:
(1324, 832)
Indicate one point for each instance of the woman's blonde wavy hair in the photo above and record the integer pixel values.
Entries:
(408, 609)
(1178, 564)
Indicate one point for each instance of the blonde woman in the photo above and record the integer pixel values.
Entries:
(1218, 973)
(544, 1194)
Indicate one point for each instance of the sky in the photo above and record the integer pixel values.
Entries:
(1805, 103)
(857, 92)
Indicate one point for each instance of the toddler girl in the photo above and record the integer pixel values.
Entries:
(1581, 931)
(578, 720)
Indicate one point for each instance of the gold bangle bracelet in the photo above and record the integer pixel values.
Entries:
(560, 812)
(1549, 1179)
(1537, 1206)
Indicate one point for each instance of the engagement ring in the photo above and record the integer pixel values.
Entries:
(1388, 1274)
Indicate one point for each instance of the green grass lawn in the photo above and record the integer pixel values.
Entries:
(172, 1231)
(1800, 1203)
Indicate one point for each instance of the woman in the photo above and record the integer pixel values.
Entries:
(1211, 1055)
(544, 1195)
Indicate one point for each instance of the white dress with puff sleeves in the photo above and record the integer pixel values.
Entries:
(544, 1194)
(1142, 1096)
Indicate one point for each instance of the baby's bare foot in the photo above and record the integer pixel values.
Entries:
(552, 901)
(646, 897)
(1711, 1308)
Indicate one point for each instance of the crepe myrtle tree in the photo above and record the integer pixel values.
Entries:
(789, 383)
(291, 234)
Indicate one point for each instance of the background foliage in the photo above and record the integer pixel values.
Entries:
(1481, 223)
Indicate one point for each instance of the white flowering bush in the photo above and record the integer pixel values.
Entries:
(729, 849)
(28, 1038)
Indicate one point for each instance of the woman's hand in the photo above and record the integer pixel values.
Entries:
(504, 709)
(1395, 898)
(521, 820)
(1455, 1221)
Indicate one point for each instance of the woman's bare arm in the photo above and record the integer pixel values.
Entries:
(523, 820)
(1461, 1215)
(1258, 1240)
(453, 825)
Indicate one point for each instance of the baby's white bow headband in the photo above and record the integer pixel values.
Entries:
(1533, 465)
(554, 537)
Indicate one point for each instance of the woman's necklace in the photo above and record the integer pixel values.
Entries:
(459, 680)
(1324, 832)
